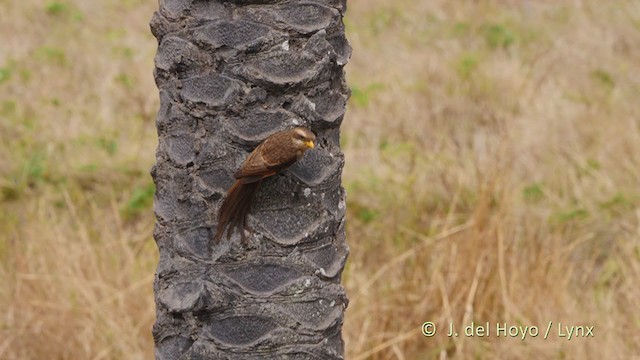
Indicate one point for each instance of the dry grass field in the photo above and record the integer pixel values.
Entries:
(493, 172)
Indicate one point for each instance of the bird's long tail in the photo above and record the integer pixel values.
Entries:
(235, 208)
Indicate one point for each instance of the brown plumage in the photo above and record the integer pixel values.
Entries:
(274, 154)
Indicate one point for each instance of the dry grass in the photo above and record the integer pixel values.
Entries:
(493, 155)
(77, 104)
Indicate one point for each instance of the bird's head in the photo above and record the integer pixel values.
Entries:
(303, 138)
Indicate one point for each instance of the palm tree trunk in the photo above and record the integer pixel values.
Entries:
(230, 73)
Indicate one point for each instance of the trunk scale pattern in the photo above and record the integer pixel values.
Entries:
(230, 73)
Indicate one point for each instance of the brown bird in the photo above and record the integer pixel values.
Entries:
(274, 154)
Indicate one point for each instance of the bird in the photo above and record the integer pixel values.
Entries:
(273, 155)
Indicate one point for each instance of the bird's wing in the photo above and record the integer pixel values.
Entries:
(254, 167)
(269, 158)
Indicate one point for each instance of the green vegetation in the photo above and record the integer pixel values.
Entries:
(467, 65)
(56, 8)
(533, 192)
(362, 96)
(141, 200)
(498, 36)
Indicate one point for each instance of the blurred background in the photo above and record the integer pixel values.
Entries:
(493, 164)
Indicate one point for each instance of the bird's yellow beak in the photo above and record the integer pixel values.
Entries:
(309, 144)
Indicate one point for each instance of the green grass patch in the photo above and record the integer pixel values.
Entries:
(397, 149)
(30, 171)
(461, 29)
(610, 272)
(619, 203)
(141, 200)
(125, 80)
(593, 164)
(467, 65)
(51, 55)
(107, 144)
(56, 8)
(361, 96)
(123, 51)
(5, 74)
(383, 18)
(367, 215)
(63, 10)
(570, 215)
(115, 35)
(603, 78)
(90, 167)
(498, 36)
(533, 192)
(8, 107)
(34, 168)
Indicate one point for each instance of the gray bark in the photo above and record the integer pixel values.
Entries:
(230, 73)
